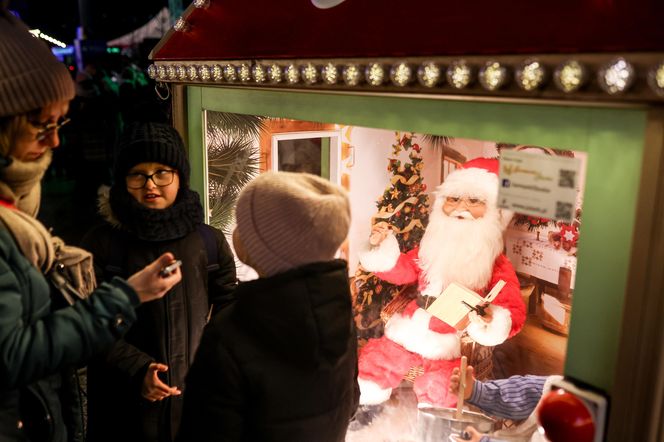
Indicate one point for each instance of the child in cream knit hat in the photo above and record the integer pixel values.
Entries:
(281, 362)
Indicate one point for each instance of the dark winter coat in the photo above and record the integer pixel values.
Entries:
(280, 364)
(167, 331)
(38, 342)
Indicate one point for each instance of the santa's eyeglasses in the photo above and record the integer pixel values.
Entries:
(468, 201)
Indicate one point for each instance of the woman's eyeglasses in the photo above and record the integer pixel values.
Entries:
(46, 129)
(160, 178)
(470, 202)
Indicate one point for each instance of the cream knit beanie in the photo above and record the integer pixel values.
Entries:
(286, 220)
(30, 76)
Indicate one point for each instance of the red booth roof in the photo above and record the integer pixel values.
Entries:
(296, 29)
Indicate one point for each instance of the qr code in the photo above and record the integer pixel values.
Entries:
(563, 210)
(566, 178)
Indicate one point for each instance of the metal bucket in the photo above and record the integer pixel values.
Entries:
(439, 424)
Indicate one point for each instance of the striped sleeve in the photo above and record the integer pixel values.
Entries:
(512, 398)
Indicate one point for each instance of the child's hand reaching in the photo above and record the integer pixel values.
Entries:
(153, 388)
(470, 381)
(470, 434)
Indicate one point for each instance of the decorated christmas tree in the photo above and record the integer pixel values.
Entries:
(404, 207)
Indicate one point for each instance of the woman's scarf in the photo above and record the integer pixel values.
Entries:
(20, 187)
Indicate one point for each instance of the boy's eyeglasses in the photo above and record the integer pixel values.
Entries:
(470, 202)
(160, 178)
(46, 129)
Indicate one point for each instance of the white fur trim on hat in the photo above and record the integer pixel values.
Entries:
(494, 332)
(371, 393)
(382, 257)
(414, 335)
(473, 182)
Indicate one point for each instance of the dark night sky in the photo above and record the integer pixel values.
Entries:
(109, 18)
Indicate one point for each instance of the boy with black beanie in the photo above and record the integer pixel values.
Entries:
(151, 208)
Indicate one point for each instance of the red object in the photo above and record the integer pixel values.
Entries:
(565, 418)
(488, 164)
(572, 237)
(7, 204)
(241, 29)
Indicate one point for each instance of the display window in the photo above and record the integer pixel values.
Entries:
(395, 102)
(392, 177)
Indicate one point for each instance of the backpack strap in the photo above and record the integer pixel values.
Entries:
(210, 241)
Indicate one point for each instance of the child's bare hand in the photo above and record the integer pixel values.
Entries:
(153, 388)
(472, 435)
(378, 233)
(470, 381)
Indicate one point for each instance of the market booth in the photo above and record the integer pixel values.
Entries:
(387, 98)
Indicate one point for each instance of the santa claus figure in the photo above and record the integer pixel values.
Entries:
(463, 244)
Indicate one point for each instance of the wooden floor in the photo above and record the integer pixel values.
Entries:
(535, 350)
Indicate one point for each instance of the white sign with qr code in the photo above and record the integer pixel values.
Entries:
(539, 185)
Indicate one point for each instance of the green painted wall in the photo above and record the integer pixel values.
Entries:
(613, 139)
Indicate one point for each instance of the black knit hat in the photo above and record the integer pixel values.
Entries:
(151, 143)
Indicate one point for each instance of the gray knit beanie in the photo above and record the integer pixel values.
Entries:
(286, 220)
(30, 76)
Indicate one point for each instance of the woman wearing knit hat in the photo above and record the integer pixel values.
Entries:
(151, 209)
(281, 362)
(43, 334)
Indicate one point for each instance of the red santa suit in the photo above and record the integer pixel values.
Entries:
(414, 337)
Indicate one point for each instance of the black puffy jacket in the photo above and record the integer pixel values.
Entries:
(167, 331)
(280, 364)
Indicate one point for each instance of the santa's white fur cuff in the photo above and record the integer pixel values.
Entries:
(496, 331)
(414, 335)
(382, 257)
(371, 393)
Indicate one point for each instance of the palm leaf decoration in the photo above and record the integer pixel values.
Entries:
(437, 141)
(222, 211)
(225, 124)
(232, 162)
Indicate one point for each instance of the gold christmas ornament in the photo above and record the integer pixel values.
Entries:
(375, 74)
(274, 73)
(309, 73)
(244, 73)
(401, 74)
(459, 74)
(259, 73)
(616, 76)
(530, 75)
(570, 76)
(429, 74)
(493, 75)
(229, 73)
(352, 75)
(292, 74)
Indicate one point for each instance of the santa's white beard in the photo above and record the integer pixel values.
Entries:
(459, 250)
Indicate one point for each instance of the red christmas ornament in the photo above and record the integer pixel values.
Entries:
(565, 418)
(569, 233)
(416, 147)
